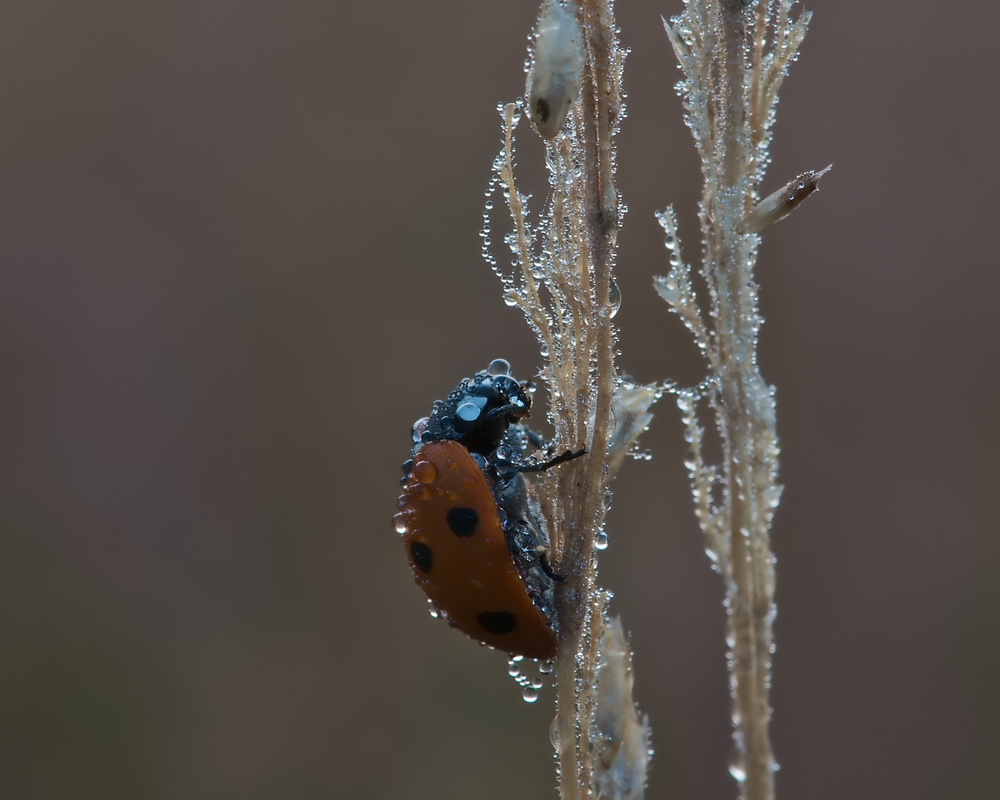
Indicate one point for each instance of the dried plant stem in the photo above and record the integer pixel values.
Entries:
(579, 601)
(562, 282)
(750, 605)
(730, 86)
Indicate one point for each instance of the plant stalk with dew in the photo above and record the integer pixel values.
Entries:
(561, 279)
(734, 56)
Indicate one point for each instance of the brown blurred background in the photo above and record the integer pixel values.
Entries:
(239, 256)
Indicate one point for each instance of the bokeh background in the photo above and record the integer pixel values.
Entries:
(239, 257)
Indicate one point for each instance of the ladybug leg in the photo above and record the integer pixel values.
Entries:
(543, 562)
(569, 455)
(511, 408)
(535, 439)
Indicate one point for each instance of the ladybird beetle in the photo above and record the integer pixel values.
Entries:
(474, 534)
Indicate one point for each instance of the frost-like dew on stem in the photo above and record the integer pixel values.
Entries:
(734, 56)
(560, 276)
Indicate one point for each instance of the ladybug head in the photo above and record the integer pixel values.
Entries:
(481, 409)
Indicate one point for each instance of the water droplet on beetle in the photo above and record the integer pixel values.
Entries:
(499, 366)
(418, 429)
(424, 472)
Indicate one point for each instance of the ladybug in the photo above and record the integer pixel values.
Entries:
(474, 534)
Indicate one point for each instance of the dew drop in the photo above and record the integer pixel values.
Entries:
(424, 471)
(498, 366)
(554, 732)
(614, 297)
(529, 694)
(399, 523)
(418, 428)
(601, 540)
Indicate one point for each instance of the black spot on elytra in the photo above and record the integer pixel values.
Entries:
(422, 556)
(497, 622)
(462, 521)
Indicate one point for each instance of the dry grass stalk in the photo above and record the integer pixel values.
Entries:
(734, 56)
(562, 281)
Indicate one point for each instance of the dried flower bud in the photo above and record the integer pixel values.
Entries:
(554, 75)
(624, 752)
(783, 202)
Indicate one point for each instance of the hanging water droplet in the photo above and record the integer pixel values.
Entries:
(689, 460)
(545, 667)
(529, 694)
(614, 297)
(601, 540)
(554, 734)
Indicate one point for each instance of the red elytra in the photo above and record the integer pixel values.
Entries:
(456, 546)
